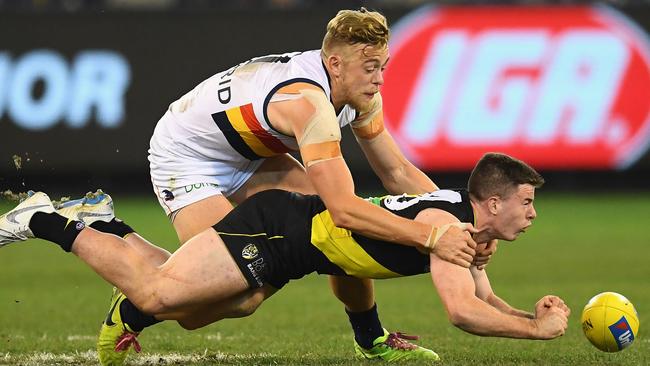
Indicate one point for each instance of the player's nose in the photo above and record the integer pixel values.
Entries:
(379, 78)
(532, 214)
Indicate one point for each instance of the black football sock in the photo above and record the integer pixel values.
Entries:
(56, 228)
(366, 326)
(136, 319)
(115, 226)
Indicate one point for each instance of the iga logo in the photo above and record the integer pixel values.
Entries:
(559, 87)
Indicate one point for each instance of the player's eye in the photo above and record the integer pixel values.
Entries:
(371, 68)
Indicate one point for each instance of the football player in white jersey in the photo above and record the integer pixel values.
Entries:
(230, 137)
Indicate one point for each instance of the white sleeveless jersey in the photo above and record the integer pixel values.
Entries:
(222, 123)
(227, 113)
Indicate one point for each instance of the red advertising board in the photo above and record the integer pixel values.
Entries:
(559, 87)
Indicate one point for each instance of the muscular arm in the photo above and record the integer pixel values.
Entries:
(329, 174)
(484, 292)
(465, 310)
(468, 298)
(397, 174)
(333, 182)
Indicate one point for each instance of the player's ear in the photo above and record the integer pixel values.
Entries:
(334, 63)
(493, 204)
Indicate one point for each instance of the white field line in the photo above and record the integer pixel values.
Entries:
(90, 357)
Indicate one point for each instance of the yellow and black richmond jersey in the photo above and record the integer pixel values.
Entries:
(275, 236)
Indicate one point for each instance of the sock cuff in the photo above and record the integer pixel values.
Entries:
(373, 309)
(55, 228)
(115, 226)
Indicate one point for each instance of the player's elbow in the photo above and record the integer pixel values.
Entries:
(458, 319)
(342, 212)
(392, 180)
(341, 217)
(400, 175)
(459, 316)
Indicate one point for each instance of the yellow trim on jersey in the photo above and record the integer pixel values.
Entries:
(341, 249)
(237, 120)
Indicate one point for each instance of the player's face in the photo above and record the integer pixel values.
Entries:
(362, 74)
(516, 212)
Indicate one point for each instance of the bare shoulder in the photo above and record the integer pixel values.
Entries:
(292, 105)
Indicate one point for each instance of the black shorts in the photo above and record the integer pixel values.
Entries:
(269, 237)
(251, 259)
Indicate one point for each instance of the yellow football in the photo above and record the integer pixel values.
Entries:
(610, 322)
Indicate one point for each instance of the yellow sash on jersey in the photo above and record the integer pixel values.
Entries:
(341, 249)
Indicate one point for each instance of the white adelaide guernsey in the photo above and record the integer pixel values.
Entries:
(213, 138)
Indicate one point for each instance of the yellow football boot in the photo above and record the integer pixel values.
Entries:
(115, 336)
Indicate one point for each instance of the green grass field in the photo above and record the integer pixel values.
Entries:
(51, 304)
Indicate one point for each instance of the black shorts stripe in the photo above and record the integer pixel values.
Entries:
(233, 137)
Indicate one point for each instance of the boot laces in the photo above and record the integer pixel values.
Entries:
(126, 340)
(400, 340)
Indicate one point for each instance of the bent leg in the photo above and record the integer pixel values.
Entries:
(238, 306)
(153, 254)
(200, 272)
(356, 293)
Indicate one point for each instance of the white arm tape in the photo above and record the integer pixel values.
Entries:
(439, 232)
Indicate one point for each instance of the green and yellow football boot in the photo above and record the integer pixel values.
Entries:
(115, 336)
(395, 347)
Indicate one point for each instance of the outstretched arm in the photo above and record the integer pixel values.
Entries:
(465, 310)
(484, 292)
(472, 306)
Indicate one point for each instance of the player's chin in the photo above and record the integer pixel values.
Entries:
(358, 106)
(514, 236)
(362, 103)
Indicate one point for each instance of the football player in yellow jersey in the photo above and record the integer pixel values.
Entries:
(254, 248)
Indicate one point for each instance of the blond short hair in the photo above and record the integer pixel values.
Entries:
(354, 27)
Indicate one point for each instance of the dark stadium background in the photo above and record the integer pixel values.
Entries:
(589, 236)
(171, 46)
